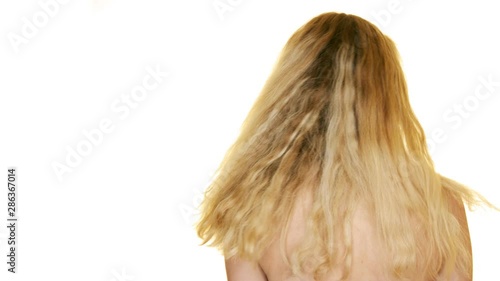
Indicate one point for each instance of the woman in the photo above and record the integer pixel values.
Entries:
(331, 178)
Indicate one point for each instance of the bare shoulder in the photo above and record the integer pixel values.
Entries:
(457, 208)
(238, 269)
(366, 263)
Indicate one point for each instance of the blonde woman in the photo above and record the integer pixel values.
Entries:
(330, 177)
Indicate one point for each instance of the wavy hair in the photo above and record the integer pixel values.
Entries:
(335, 114)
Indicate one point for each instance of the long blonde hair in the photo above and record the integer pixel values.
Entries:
(335, 109)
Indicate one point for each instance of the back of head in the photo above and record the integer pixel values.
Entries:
(335, 113)
(355, 71)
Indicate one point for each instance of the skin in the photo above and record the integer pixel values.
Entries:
(366, 252)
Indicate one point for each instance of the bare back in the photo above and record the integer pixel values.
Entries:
(366, 250)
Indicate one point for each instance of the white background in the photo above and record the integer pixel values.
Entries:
(124, 211)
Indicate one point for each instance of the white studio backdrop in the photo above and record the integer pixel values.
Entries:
(115, 114)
